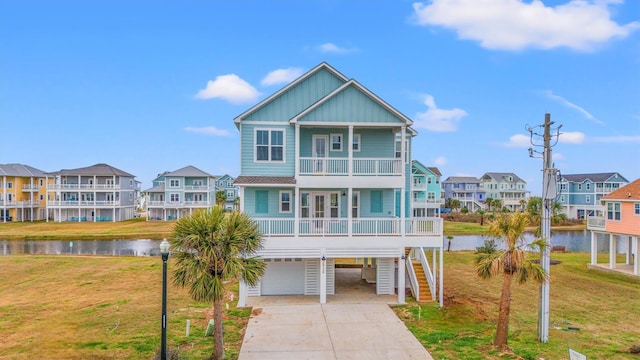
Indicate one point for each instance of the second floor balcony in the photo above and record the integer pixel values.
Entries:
(357, 167)
(353, 227)
(106, 187)
(87, 204)
(596, 223)
(179, 204)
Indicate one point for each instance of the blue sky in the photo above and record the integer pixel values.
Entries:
(151, 86)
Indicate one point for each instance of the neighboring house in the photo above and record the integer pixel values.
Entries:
(225, 183)
(325, 172)
(621, 223)
(175, 194)
(465, 189)
(580, 194)
(426, 190)
(22, 193)
(506, 187)
(96, 193)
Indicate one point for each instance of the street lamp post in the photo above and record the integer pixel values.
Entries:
(164, 251)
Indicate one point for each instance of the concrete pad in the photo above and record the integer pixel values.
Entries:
(331, 331)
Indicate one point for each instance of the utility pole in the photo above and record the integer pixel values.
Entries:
(549, 193)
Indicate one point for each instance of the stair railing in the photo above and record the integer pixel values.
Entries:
(415, 287)
(427, 271)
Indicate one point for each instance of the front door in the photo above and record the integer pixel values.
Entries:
(320, 153)
(319, 211)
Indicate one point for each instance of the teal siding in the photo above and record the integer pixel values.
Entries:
(265, 203)
(298, 98)
(352, 106)
(249, 167)
(388, 203)
(375, 143)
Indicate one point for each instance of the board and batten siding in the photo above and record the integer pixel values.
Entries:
(252, 194)
(354, 105)
(266, 168)
(298, 98)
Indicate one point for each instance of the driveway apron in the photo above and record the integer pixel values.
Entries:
(328, 331)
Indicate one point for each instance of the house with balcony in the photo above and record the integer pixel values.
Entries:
(618, 224)
(506, 187)
(225, 183)
(175, 194)
(22, 193)
(325, 171)
(465, 189)
(426, 190)
(99, 192)
(580, 194)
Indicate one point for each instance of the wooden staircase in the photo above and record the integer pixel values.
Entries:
(425, 292)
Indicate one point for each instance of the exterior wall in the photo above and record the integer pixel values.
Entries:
(24, 200)
(266, 168)
(629, 223)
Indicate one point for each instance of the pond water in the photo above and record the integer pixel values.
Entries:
(576, 241)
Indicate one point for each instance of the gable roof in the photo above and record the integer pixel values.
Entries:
(503, 177)
(20, 170)
(462, 179)
(597, 177)
(341, 90)
(158, 188)
(97, 169)
(188, 171)
(322, 66)
(629, 192)
(424, 169)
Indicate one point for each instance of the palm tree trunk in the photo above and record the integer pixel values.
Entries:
(502, 331)
(218, 336)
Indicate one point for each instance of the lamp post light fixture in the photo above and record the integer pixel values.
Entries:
(164, 251)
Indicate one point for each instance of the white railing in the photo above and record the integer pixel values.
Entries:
(174, 204)
(415, 286)
(427, 201)
(197, 188)
(76, 203)
(358, 227)
(29, 187)
(83, 186)
(431, 279)
(596, 223)
(340, 166)
(198, 203)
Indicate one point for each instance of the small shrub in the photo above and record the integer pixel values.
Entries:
(172, 354)
(489, 247)
(634, 349)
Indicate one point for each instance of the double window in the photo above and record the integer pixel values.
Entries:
(174, 183)
(269, 145)
(613, 211)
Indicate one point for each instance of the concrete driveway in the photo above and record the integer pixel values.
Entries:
(284, 330)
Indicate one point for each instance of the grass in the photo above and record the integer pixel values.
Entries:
(130, 229)
(101, 308)
(604, 306)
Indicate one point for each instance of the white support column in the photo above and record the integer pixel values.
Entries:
(441, 279)
(242, 294)
(323, 278)
(612, 251)
(401, 275)
(296, 165)
(403, 189)
(594, 248)
(350, 212)
(296, 211)
(636, 261)
(350, 151)
(629, 249)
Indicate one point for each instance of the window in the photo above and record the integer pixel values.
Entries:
(130, 196)
(419, 212)
(613, 211)
(41, 182)
(356, 142)
(429, 180)
(636, 208)
(561, 198)
(355, 204)
(588, 199)
(431, 195)
(579, 186)
(174, 183)
(174, 197)
(336, 142)
(376, 201)
(285, 201)
(230, 193)
(304, 205)
(262, 202)
(334, 205)
(588, 186)
(130, 182)
(398, 148)
(197, 182)
(9, 185)
(269, 145)
(41, 197)
(417, 180)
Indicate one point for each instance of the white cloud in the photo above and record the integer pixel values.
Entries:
(571, 137)
(616, 139)
(334, 49)
(229, 87)
(519, 141)
(439, 120)
(281, 76)
(515, 24)
(557, 156)
(571, 105)
(207, 130)
(440, 161)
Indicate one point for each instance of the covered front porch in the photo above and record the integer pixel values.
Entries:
(629, 244)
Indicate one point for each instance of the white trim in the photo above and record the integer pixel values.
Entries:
(359, 143)
(269, 146)
(266, 123)
(280, 202)
(341, 136)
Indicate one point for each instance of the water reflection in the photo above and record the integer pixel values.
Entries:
(576, 241)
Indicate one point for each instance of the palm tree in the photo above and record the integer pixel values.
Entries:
(523, 205)
(454, 204)
(497, 204)
(481, 213)
(221, 197)
(489, 201)
(212, 247)
(512, 261)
